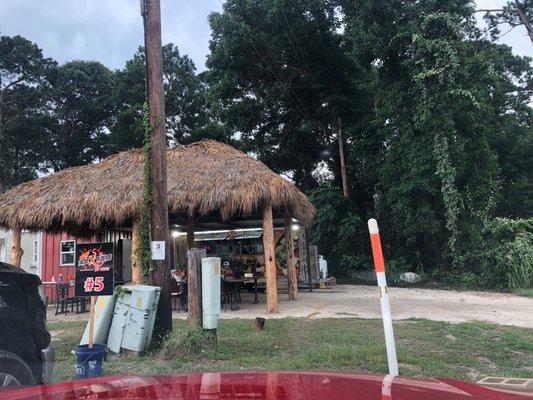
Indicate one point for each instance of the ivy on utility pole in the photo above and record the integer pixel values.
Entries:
(151, 12)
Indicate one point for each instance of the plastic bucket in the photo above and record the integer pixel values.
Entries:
(89, 361)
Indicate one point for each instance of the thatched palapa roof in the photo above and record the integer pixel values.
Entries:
(203, 178)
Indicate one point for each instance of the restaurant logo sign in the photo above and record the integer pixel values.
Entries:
(94, 269)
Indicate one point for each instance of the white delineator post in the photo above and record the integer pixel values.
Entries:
(379, 265)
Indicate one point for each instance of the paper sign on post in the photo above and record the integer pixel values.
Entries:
(158, 250)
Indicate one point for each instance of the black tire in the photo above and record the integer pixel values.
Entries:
(14, 371)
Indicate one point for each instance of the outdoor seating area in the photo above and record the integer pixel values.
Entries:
(220, 200)
(65, 299)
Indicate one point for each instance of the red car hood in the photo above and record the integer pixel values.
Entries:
(259, 385)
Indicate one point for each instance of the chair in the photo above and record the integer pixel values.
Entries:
(63, 299)
(178, 292)
(228, 295)
(183, 296)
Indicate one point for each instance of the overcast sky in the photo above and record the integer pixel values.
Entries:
(110, 31)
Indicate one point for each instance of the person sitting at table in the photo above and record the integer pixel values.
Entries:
(227, 271)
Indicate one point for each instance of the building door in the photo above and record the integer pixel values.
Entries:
(126, 260)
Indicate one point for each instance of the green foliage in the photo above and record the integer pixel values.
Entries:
(82, 92)
(194, 343)
(144, 251)
(339, 231)
(25, 120)
(509, 252)
(185, 100)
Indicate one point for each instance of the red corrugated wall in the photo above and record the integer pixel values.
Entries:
(50, 245)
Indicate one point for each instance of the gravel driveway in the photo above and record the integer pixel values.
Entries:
(345, 301)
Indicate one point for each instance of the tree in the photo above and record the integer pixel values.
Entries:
(513, 14)
(184, 99)
(445, 100)
(83, 105)
(24, 110)
(279, 75)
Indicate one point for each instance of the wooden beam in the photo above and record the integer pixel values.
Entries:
(16, 249)
(194, 286)
(270, 260)
(190, 231)
(292, 277)
(136, 276)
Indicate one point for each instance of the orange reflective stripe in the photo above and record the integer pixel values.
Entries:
(377, 252)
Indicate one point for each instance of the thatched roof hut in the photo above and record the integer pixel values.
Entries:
(204, 178)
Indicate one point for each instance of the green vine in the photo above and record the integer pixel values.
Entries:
(144, 252)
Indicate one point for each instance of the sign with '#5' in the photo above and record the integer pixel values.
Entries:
(94, 269)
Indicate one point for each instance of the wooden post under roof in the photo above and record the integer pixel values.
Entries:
(292, 277)
(270, 260)
(190, 231)
(136, 276)
(16, 249)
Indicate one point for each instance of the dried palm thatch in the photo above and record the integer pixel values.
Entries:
(203, 178)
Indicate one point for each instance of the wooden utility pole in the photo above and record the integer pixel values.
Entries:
(292, 278)
(270, 260)
(151, 12)
(343, 160)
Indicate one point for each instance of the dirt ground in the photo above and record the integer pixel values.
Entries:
(344, 301)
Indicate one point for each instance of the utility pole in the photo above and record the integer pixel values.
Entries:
(151, 12)
(343, 160)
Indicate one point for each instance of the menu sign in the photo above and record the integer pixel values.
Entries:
(94, 269)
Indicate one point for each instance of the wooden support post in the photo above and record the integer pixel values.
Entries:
(136, 276)
(270, 260)
(194, 285)
(292, 277)
(91, 321)
(190, 231)
(16, 249)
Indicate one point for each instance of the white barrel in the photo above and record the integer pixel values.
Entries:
(210, 291)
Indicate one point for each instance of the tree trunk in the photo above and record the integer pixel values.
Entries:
(270, 260)
(194, 285)
(136, 275)
(16, 249)
(344, 177)
(158, 160)
(292, 277)
(308, 259)
(523, 18)
(190, 231)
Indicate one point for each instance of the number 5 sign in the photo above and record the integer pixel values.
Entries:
(94, 269)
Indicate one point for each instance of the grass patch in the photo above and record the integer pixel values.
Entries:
(466, 351)
(525, 292)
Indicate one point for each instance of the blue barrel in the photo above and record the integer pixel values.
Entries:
(89, 361)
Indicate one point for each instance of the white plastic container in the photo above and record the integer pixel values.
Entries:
(210, 291)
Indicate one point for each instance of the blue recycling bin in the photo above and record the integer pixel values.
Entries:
(89, 360)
